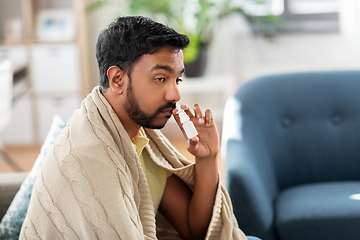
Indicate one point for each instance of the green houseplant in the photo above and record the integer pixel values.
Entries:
(195, 18)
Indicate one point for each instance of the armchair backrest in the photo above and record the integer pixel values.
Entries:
(309, 124)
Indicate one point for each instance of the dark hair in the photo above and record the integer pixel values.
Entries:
(126, 39)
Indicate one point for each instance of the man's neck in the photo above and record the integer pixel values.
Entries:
(131, 127)
(132, 132)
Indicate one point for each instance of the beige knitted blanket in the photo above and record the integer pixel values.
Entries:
(91, 185)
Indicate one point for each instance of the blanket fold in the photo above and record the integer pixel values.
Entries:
(91, 185)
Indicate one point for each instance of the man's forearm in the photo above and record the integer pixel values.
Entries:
(203, 198)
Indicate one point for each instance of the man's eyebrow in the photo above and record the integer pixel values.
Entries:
(166, 68)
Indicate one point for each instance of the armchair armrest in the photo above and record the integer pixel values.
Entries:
(9, 186)
(252, 187)
(249, 173)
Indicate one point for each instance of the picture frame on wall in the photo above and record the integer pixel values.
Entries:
(55, 25)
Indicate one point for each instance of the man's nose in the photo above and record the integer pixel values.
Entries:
(173, 93)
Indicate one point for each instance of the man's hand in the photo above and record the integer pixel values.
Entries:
(206, 144)
(190, 212)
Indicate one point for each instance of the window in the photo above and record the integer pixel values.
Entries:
(313, 6)
(302, 15)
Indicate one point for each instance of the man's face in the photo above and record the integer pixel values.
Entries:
(153, 88)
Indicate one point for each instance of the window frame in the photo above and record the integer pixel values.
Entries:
(319, 22)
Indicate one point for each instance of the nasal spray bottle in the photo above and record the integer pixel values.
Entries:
(187, 125)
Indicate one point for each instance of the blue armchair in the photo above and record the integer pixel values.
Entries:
(292, 155)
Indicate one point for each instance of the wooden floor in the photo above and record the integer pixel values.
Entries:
(23, 157)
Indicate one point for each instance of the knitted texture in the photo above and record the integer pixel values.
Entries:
(91, 185)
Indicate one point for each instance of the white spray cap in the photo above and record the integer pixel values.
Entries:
(182, 115)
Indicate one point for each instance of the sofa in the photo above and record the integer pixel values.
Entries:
(291, 145)
(9, 185)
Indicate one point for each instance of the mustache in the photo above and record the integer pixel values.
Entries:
(168, 105)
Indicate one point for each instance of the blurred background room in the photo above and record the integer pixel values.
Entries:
(50, 48)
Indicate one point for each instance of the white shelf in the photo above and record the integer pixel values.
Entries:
(56, 70)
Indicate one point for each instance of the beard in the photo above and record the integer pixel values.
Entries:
(136, 114)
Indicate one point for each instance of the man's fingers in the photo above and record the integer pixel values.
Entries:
(177, 120)
(185, 107)
(192, 144)
(209, 120)
(197, 111)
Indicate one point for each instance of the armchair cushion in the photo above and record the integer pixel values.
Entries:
(309, 211)
(12, 221)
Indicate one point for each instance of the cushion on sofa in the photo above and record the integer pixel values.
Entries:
(12, 221)
(309, 211)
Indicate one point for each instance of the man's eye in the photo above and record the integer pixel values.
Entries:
(160, 79)
(179, 80)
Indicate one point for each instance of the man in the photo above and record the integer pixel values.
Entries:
(109, 174)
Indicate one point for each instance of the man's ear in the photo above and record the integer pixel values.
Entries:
(116, 79)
